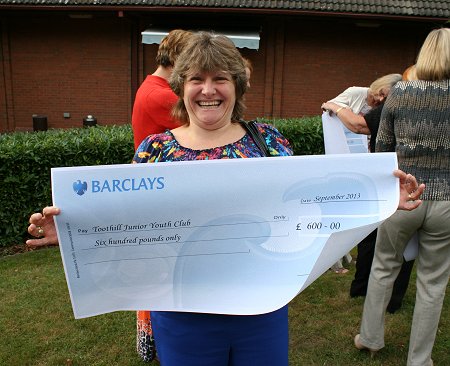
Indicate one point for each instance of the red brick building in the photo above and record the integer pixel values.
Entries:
(68, 59)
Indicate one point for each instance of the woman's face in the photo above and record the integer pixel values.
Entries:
(374, 100)
(209, 98)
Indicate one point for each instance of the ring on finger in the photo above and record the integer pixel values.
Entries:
(40, 230)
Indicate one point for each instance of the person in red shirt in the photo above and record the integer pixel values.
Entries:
(154, 98)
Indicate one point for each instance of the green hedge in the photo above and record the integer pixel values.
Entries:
(305, 134)
(27, 157)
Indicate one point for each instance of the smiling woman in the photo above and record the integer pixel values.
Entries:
(214, 54)
(211, 94)
(209, 78)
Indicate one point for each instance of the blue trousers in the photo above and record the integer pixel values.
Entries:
(192, 339)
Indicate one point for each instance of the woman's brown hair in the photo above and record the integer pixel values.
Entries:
(171, 46)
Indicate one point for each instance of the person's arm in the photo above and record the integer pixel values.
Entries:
(352, 121)
(354, 97)
(43, 228)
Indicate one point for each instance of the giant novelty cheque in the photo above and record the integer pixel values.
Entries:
(232, 236)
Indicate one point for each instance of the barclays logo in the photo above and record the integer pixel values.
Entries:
(117, 185)
(79, 188)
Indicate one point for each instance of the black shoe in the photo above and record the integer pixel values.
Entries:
(358, 290)
(357, 294)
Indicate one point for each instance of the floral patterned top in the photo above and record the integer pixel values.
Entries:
(164, 147)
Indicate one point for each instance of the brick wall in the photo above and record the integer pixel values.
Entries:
(322, 60)
(77, 66)
(53, 64)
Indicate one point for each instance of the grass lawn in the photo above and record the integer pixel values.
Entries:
(37, 325)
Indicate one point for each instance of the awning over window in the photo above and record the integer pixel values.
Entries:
(242, 39)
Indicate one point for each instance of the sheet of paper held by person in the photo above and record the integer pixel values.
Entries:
(232, 236)
(339, 139)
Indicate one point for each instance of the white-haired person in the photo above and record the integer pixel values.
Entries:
(368, 124)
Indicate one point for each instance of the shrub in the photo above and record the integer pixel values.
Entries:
(27, 157)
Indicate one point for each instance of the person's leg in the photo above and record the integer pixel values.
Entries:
(392, 237)
(190, 339)
(261, 340)
(145, 342)
(348, 259)
(433, 271)
(338, 267)
(366, 248)
(400, 286)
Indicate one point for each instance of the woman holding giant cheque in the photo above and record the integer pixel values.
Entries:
(209, 78)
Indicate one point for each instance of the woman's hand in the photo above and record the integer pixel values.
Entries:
(43, 227)
(410, 191)
(329, 107)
